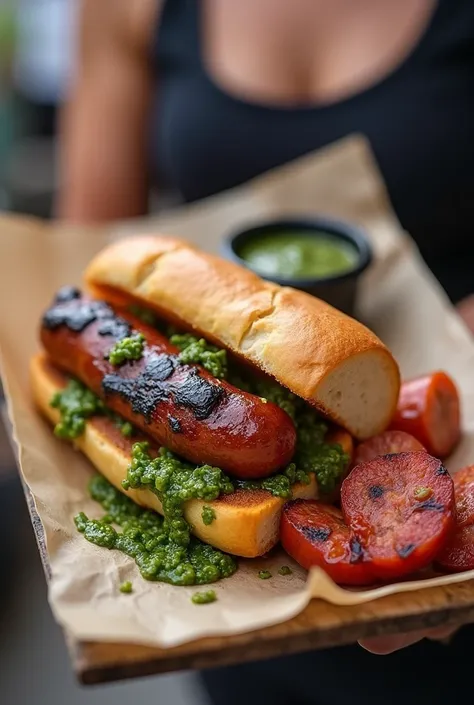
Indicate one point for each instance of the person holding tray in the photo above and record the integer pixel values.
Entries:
(203, 96)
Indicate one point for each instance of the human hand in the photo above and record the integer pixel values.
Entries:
(465, 308)
(383, 645)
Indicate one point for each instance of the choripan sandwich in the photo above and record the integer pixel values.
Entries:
(201, 392)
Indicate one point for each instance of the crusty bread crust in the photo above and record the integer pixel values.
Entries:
(299, 340)
(247, 521)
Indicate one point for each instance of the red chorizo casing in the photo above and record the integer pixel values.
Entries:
(183, 407)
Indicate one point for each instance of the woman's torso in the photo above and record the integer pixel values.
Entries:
(418, 117)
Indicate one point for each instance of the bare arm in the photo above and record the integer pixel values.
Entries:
(103, 133)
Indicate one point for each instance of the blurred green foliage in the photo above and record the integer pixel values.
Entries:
(7, 32)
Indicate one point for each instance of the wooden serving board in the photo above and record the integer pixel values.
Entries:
(320, 625)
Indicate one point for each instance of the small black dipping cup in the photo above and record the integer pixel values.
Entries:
(339, 290)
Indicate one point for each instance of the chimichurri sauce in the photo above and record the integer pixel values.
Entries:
(298, 254)
(199, 351)
(76, 403)
(163, 547)
(204, 598)
(129, 348)
(207, 515)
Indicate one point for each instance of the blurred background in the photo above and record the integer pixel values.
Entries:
(36, 59)
(36, 54)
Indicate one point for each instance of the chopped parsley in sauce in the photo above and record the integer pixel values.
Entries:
(285, 570)
(199, 351)
(280, 485)
(130, 348)
(264, 574)
(162, 547)
(126, 587)
(76, 403)
(126, 428)
(208, 515)
(204, 598)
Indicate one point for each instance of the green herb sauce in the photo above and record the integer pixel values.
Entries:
(204, 598)
(285, 570)
(126, 428)
(264, 574)
(130, 348)
(299, 255)
(199, 351)
(126, 587)
(162, 548)
(76, 403)
(193, 350)
(280, 485)
(208, 515)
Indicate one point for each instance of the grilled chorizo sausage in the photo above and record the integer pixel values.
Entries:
(182, 406)
(429, 409)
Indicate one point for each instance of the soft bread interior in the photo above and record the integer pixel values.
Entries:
(357, 392)
(247, 521)
(327, 358)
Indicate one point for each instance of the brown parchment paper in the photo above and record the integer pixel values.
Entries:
(400, 300)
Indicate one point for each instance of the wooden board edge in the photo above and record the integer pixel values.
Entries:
(96, 663)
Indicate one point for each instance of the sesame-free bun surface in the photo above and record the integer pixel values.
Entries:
(319, 353)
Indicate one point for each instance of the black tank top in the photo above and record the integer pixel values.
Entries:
(419, 121)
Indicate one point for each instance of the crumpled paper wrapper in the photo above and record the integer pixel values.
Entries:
(400, 300)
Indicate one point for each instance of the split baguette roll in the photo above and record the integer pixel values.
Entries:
(320, 354)
(247, 522)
